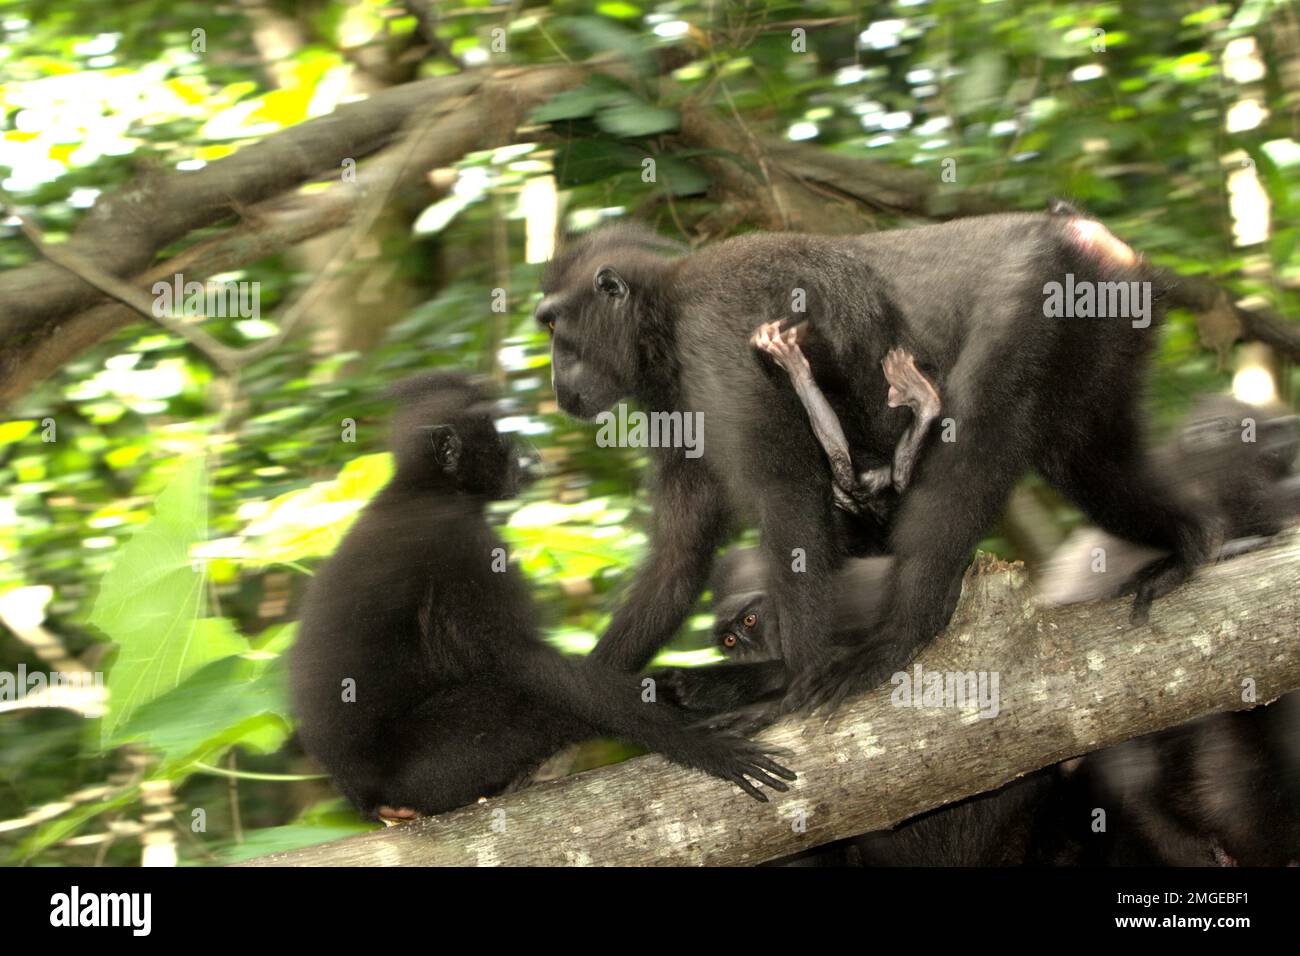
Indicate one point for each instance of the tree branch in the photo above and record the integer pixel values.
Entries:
(123, 232)
(43, 322)
(48, 315)
(1071, 680)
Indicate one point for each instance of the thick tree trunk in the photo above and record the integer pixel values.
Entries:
(1070, 680)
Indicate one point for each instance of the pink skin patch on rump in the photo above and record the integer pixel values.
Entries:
(1095, 238)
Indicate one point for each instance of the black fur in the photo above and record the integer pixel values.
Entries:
(1015, 825)
(966, 298)
(456, 695)
(1244, 489)
(1223, 790)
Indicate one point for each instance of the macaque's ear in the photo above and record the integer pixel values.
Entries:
(446, 447)
(610, 283)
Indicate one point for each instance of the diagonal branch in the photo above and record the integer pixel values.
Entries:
(1070, 680)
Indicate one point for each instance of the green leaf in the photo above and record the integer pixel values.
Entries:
(681, 179)
(236, 700)
(570, 105)
(328, 820)
(634, 118)
(603, 36)
(310, 522)
(151, 604)
(583, 161)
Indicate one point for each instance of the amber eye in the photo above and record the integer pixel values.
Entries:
(729, 640)
(750, 620)
(550, 324)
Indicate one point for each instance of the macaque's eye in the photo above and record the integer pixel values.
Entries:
(729, 640)
(545, 315)
(750, 620)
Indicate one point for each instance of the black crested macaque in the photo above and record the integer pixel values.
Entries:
(742, 626)
(979, 302)
(857, 493)
(743, 631)
(419, 680)
(1223, 790)
(1233, 461)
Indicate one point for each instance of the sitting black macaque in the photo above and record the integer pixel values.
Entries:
(1027, 381)
(419, 680)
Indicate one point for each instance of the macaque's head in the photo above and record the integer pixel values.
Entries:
(445, 434)
(601, 296)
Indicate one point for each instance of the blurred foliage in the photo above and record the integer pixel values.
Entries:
(177, 519)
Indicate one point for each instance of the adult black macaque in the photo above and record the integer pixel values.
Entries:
(633, 315)
(453, 694)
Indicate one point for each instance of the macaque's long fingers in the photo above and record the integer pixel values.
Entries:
(749, 788)
(767, 763)
(768, 780)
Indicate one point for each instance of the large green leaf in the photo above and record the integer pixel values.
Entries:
(236, 700)
(151, 604)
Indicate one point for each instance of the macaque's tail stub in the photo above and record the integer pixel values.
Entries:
(1096, 240)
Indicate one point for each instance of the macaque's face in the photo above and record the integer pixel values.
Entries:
(596, 298)
(738, 628)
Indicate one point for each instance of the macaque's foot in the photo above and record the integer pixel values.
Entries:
(822, 690)
(392, 816)
(783, 346)
(863, 503)
(1155, 581)
(907, 386)
(845, 501)
(877, 480)
(849, 673)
